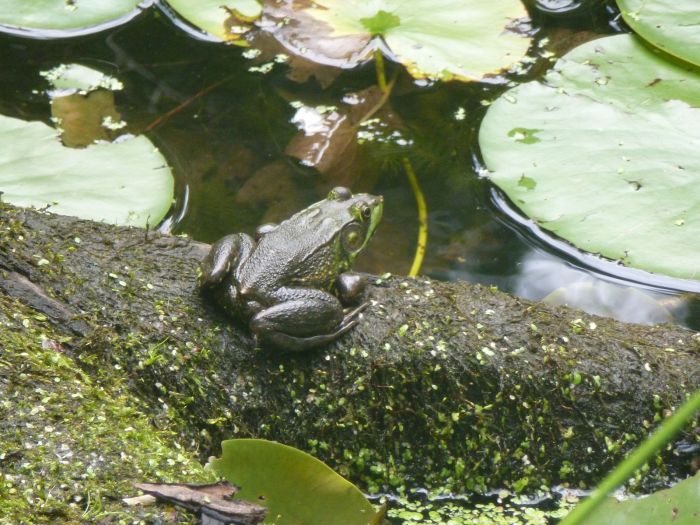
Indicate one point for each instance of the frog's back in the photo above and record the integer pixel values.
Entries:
(293, 254)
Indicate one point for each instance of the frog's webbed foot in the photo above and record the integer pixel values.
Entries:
(224, 255)
(351, 315)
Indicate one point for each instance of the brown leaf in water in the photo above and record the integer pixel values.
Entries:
(82, 117)
(301, 34)
(328, 141)
(300, 69)
(213, 500)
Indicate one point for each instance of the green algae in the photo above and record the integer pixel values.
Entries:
(503, 509)
(69, 448)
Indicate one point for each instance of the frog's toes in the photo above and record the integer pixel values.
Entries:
(352, 315)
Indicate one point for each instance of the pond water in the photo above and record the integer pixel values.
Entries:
(224, 127)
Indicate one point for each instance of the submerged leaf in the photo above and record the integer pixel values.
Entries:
(82, 118)
(82, 104)
(294, 486)
(126, 182)
(328, 141)
(615, 162)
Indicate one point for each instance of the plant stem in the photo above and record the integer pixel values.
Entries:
(380, 103)
(379, 67)
(422, 218)
(668, 429)
(410, 173)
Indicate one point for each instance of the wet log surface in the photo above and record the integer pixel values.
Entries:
(448, 385)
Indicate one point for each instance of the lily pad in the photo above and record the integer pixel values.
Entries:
(221, 19)
(62, 18)
(671, 25)
(679, 505)
(445, 40)
(125, 182)
(604, 153)
(76, 77)
(294, 486)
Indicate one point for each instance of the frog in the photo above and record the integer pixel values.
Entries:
(292, 284)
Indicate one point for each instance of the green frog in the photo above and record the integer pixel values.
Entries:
(291, 283)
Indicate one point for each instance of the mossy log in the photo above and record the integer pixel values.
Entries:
(446, 385)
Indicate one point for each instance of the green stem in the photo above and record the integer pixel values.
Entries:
(422, 218)
(663, 435)
(379, 67)
(410, 173)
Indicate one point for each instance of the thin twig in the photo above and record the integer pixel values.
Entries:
(166, 116)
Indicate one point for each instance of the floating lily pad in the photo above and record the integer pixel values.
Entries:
(294, 486)
(222, 19)
(445, 40)
(671, 25)
(679, 505)
(126, 182)
(62, 18)
(76, 77)
(604, 153)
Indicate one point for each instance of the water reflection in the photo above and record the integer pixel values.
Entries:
(544, 277)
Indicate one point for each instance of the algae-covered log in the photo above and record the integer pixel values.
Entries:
(442, 384)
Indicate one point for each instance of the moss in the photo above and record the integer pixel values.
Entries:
(69, 448)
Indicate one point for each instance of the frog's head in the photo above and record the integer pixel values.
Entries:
(359, 215)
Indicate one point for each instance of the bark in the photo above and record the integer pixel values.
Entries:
(446, 385)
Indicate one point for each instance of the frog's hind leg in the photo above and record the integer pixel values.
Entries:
(308, 319)
(225, 254)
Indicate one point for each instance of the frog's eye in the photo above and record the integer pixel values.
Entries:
(352, 237)
(361, 212)
(339, 193)
(365, 211)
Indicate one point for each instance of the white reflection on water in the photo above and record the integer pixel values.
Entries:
(545, 278)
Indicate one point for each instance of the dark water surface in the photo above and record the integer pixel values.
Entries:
(224, 130)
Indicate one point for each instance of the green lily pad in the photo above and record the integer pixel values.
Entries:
(445, 40)
(222, 19)
(604, 153)
(679, 505)
(80, 78)
(294, 486)
(671, 25)
(62, 18)
(125, 182)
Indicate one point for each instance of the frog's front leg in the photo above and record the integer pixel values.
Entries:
(303, 318)
(224, 256)
(350, 286)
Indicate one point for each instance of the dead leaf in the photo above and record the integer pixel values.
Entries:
(303, 35)
(212, 500)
